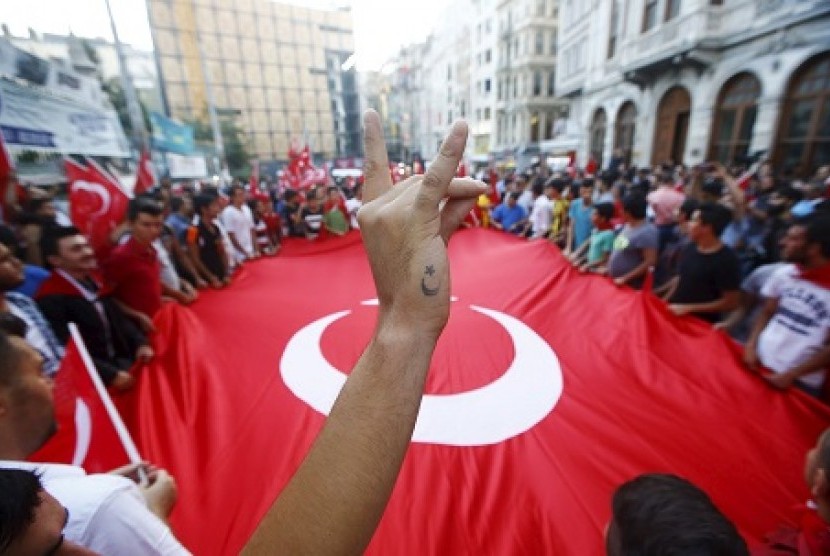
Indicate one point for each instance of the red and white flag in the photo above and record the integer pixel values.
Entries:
(145, 177)
(542, 398)
(90, 431)
(97, 202)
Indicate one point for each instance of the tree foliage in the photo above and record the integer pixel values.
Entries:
(233, 139)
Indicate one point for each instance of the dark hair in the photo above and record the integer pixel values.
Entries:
(666, 177)
(8, 238)
(817, 227)
(713, 186)
(688, 207)
(288, 195)
(52, 237)
(514, 195)
(538, 188)
(176, 204)
(789, 193)
(587, 182)
(202, 201)
(234, 188)
(715, 216)
(605, 210)
(658, 514)
(557, 183)
(143, 205)
(19, 498)
(823, 452)
(635, 205)
(34, 205)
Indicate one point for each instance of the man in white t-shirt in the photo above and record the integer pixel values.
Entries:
(353, 205)
(238, 221)
(791, 336)
(541, 216)
(108, 513)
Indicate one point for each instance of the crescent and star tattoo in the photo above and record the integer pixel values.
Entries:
(428, 281)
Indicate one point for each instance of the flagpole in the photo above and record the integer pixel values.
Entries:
(133, 108)
(117, 423)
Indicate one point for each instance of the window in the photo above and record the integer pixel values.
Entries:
(488, 56)
(478, 59)
(553, 40)
(478, 114)
(515, 86)
(737, 108)
(498, 91)
(612, 32)
(624, 129)
(537, 83)
(804, 137)
(540, 43)
(449, 73)
(487, 26)
(597, 135)
(672, 9)
(449, 94)
(487, 85)
(540, 8)
(650, 15)
(487, 113)
(551, 83)
(534, 127)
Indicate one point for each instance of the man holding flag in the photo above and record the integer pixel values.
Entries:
(108, 513)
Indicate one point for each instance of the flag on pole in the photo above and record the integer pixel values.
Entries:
(90, 431)
(97, 202)
(145, 177)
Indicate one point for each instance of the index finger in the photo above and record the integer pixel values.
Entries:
(376, 166)
(443, 168)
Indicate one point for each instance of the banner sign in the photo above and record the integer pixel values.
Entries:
(19, 64)
(170, 135)
(33, 118)
(186, 166)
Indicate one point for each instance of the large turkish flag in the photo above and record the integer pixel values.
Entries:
(548, 389)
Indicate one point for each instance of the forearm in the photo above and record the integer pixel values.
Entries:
(638, 272)
(818, 361)
(717, 306)
(365, 438)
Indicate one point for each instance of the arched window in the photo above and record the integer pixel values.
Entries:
(624, 130)
(672, 126)
(804, 133)
(735, 115)
(598, 125)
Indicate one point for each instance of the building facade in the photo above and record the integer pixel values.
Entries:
(281, 70)
(694, 80)
(526, 96)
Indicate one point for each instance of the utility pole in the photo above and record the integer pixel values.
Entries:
(133, 108)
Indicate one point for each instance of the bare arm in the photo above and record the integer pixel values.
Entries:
(726, 302)
(334, 502)
(649, 260)
(751, 348)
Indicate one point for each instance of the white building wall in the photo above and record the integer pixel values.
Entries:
(770, 39)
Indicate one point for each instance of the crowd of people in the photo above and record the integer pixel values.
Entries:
(748, 253)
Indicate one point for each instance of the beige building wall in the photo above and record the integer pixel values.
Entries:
(264, 59)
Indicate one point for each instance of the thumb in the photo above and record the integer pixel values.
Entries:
(453, 213)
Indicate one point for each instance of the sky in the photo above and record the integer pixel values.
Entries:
(381, 26)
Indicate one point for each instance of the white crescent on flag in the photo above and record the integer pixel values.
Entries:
(97, 189)
(510, 405)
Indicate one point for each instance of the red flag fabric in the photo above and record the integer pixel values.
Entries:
(86, 434)
(97, 203)
(254, 178)
(145, 177)
(548, 389)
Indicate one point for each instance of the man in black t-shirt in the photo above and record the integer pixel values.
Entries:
(709, 275)
(312, 215)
